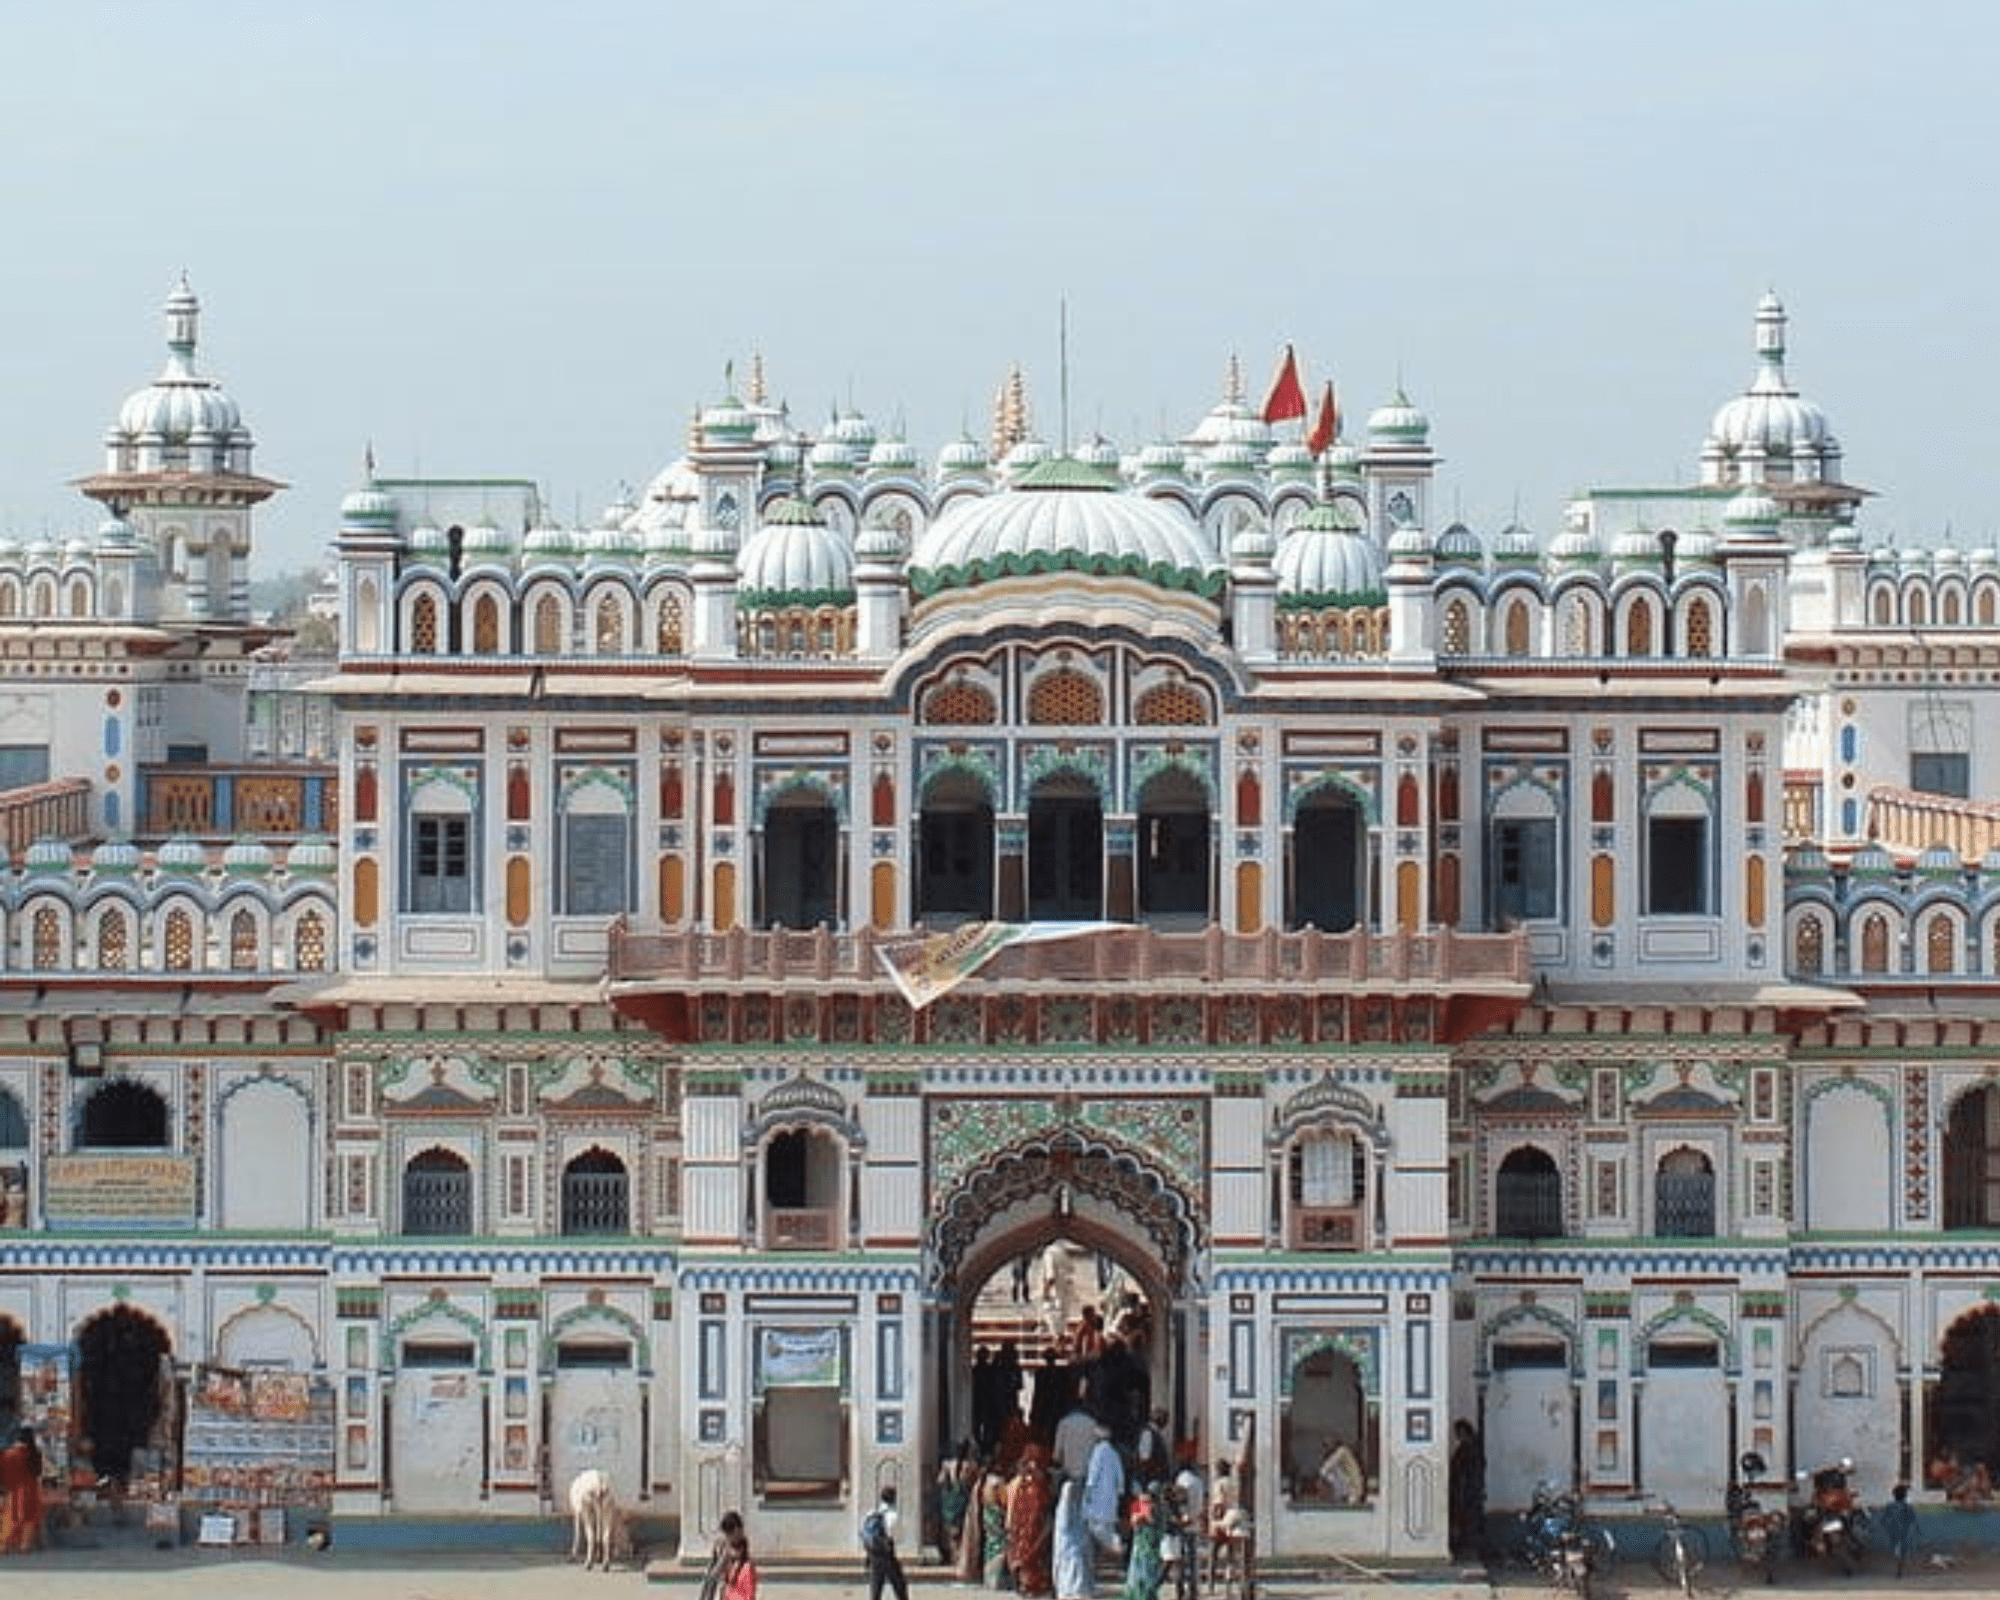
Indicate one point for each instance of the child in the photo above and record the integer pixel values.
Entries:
(1899, 1525)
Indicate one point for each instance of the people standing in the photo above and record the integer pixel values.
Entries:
(726, 1532)
(1467, 1491)
(1029, 1510)
(1075, 1575)
(1144, 1570)
(21, 1494)
(1191, 1519)
(1104, 1493)
(1899, 1526)
(955, 1480)
(739, 1577)
(878, 1539)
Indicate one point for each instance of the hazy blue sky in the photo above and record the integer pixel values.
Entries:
(514, 239)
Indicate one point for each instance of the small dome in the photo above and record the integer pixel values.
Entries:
(1636, 548)
(1290, 462)
(548, 545)
(892, 455)
(855, 431)
(1696, 547)
(1577, 546)
(1516, 546)
(1939, 861)
(1398, 422)
(1098, 451)
(312, 856)
(613, 544)
(963, 454)
(728, 421)
(247, 858)
(1232, 460)
(1458, 546)
(830, 456)
(115, 858)
(368, 507)
(1871, 860)
(182, 857)
(794, 559)
(115, 533)
(1162, 459)
(1325, 559)
(1030, 452)
(1064, 517)
(486, 543)
(1409, 543)
(1254, 544)
(46, 858)
(428, 542)
(1807, 861)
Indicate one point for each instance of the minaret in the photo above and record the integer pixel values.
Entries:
(177, 466)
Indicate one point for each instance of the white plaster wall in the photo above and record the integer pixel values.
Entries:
(594, 1422)
(1847, 1161)
(1529, 1428)
(261, 1182)
(436, 1444)
(1684, 1435)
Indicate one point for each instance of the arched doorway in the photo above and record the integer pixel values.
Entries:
(124, 1381)
(1964, 1415)
(1066, 1221)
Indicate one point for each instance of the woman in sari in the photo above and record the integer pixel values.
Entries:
(971, 1545)
(21, 1494)
(1145, 1569)
(955, 1480)
(1029, 1511)
(1073, 1552)
(993, 1529)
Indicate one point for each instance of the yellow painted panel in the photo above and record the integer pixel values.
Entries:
(1249, 897)
(1603, 891)
(520, 891)
(882, 896)
(367, 892)
(723, 901)
(1409, 886)
(672, 880)
(1753, 892)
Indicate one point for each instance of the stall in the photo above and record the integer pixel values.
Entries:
(257, 1453)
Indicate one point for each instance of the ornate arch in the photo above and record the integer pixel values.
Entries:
(799, 1102)
(802, 779)
(1043, 1170)
(1553, 1322)
(1707, 1321)
(266, 1306)
(576, 1315)
(439, 1307)
(1304, 789)
(1150, 764)
(1326, 1099)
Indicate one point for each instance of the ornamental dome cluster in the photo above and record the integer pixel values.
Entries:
(181, 421)
(1770, 433)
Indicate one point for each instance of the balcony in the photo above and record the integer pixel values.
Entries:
(1329, 1228)
(58, 810)
(800, 1228)
(226, 802)
(1907, 822)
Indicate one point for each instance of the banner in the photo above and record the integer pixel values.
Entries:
(927, 969)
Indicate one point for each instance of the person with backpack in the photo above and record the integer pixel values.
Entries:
(878, 1541)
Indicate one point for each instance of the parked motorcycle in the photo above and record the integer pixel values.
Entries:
(1754, 1533)
(1560, 1543)
(1830, 1522)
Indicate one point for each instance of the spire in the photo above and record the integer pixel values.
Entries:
(757, 391)
(1232, 382)
(1771, 346)
(1010, 413)
(183, 326)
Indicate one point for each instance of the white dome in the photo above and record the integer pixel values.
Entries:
(794, 558)
(1065, 517)
(963, 454)
(179, 403)
(1398, 422)
(1770, 417)
(1325, 558)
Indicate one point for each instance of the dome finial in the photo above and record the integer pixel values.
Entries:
(757, 390)
(183, 324)
(1232, 381)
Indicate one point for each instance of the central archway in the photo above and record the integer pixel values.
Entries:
(1068, 1198)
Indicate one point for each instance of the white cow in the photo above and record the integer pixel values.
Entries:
(598, 1525)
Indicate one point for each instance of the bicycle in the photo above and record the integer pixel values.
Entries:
(1682, 1551)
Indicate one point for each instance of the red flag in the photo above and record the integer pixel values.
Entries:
(1287, 398)
(1325, 426)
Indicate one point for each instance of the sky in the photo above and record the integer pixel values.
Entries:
(527, 240)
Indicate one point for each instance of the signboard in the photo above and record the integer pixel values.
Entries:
(790, 1358)
(95, 1189)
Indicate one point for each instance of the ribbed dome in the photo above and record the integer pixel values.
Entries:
(1516, 546)
(963, 454)
(1770, 417)
(1326, 559)
(1398, 422)
(1577, 545)
(1458, 546)
(312, 856)
(182, 857)
(46, 858)
(247, 858)
(179, 403)
(794, 559)
(892, 455)
(1064, 517)
(115, 858)
(368, 507)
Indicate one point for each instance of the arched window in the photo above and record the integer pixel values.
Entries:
(1983, 606)
(802, 1189)
(179, 940)
(1950, 610)
(955, 851)
(1684, 1195)
(548, 626)
(1175, 870)
(1941, 945)
(1698, 631)
(1066, 698)
(1515, 641)
(610, 629)
(49, 954)
(485, 625)
(1327, 881)
(1172, 705)
(1680, 852)
(1809, 948)
(309, 942)
(1065, 849)
(1326, 1190)
(1527, 1195)
(1639, 629)
(801, 877)
(1919, 604)
(1875, 943)
(114, 940)
(596, 838)
(1523, 862)
(669, 632)
(1579, 631)
(437, 1195)
(959, 703)
(79, 598)
(596, 1194)
(1883, 608)
(123, 1115)
(424, 625)
(243, 943)
(1972, 1161)
(1457, 633)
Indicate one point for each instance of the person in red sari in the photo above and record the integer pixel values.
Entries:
(21, 1494)
(1030, 1527)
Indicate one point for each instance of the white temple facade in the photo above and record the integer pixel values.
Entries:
(1538, 981)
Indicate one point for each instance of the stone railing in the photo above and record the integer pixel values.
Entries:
(58, 810)
(1908, 822)
(226, 802)
(1437, 959)
(1805, 794)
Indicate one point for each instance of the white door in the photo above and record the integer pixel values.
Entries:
(594, 1419)
(1530, 1429)
(437, 1445)
(1684, 1427)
